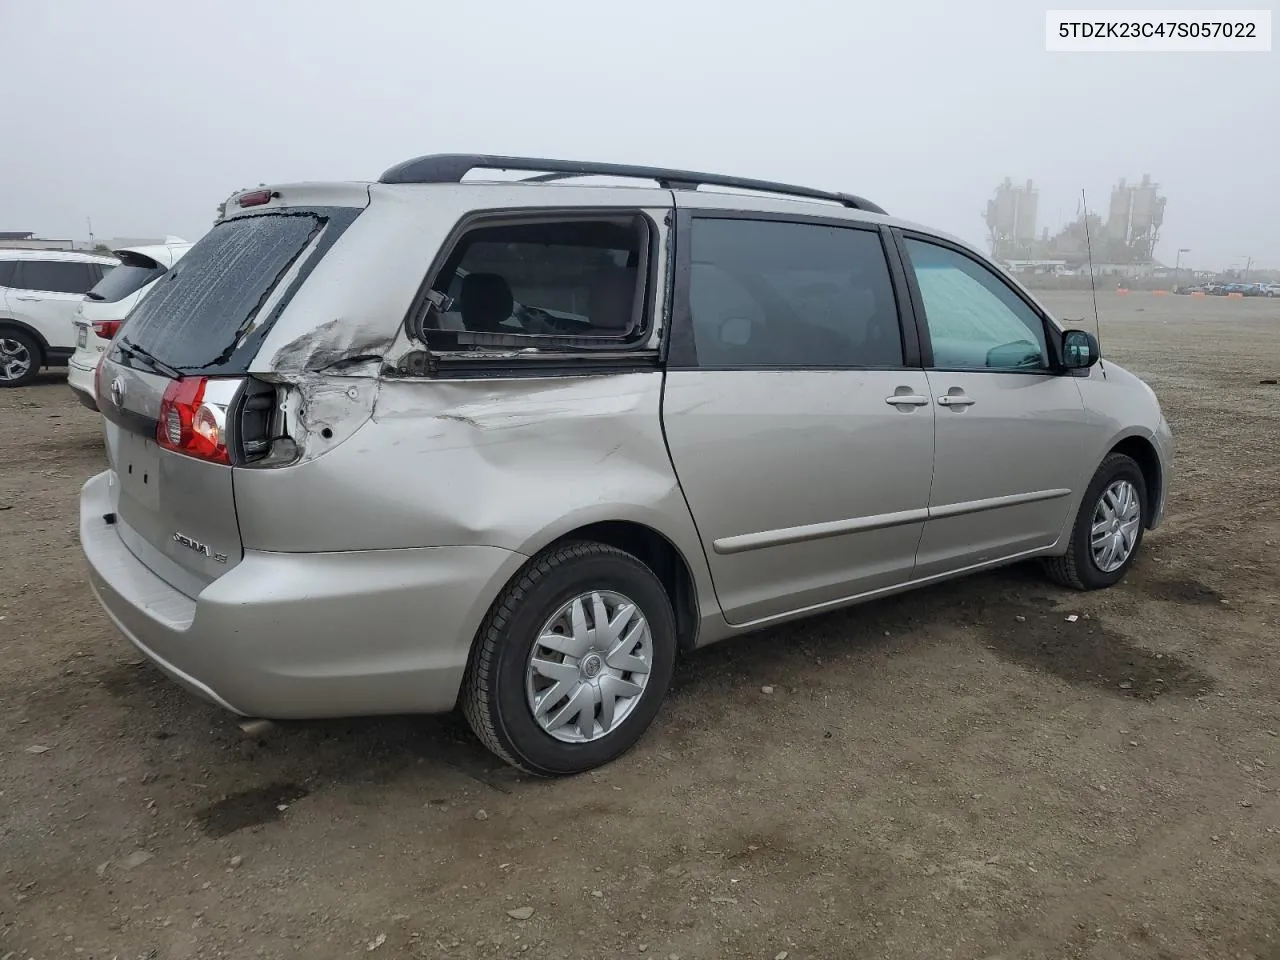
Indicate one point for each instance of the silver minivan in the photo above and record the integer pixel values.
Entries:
(398, 446)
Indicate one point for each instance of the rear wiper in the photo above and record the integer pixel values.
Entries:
(131, 349)
(94, 296)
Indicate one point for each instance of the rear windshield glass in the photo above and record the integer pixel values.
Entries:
(195, 319)
(134, 273)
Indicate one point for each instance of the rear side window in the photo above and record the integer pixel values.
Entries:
(776, 294)
(56, 276)
(567, 278)
(134, 273)
(199, 317)
(6, 272)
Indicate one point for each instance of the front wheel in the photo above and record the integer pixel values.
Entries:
(572, 662)
(1107, 530)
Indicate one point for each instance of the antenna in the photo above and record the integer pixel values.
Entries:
(1093, 283)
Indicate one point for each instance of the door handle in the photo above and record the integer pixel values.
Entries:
(956, 400)
(28, 299)
(907, 400)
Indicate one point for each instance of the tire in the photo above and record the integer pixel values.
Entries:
(1079, 568)
(15, 345)
(502, 687)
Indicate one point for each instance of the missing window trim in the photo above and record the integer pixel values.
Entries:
(432, 301)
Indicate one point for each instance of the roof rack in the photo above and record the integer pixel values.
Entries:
(452, 167)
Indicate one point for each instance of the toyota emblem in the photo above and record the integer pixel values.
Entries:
(117, 391)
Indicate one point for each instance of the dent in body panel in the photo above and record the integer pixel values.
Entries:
(324, 351)
(521, 402)
(528, 460)
(334, 403)
(340, 340)
(390, 247)
(315, 413)
(504, 463)
(386, 249)
(412, 461)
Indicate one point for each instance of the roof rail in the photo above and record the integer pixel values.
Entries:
(452, 167)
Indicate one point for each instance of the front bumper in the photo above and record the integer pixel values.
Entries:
(1164, 444)
(303, 635)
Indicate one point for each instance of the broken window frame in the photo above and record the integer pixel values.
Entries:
(472, 347)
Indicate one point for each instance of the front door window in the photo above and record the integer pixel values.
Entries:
(975, 321)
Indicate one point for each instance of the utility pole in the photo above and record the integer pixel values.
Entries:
(89, 221)
(1248, 264)
(1177, 267)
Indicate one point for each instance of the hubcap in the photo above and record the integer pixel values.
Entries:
(1116, 521)
(589, 666)
(15, 360)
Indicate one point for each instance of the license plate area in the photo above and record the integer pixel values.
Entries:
(138, 467)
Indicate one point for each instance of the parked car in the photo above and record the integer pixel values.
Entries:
(1271, 289)
(1222, 288)
(1189, 289)
(105, 307)
(324, 501)
(39, 293)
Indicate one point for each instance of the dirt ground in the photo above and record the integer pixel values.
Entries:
(959, 773)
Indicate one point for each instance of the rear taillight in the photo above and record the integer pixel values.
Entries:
(190, 426)
(107, 329)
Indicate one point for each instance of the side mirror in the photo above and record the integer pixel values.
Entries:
(1080, 349)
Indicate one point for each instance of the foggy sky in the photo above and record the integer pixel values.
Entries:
(144, 116)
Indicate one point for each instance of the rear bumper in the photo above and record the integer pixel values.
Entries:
(80, 379)
(301, 636)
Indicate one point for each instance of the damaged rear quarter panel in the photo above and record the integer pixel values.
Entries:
(355, 300)
(412, 463)
(502, 463)
(388, 248)
(514, 463)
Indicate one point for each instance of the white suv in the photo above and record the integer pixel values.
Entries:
(40, 291)
(105, 307)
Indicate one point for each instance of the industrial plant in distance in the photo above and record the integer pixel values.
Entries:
(1122, 245)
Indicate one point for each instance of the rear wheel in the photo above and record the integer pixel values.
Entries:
(572, 662)
(1108, 529)
(20, 358)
